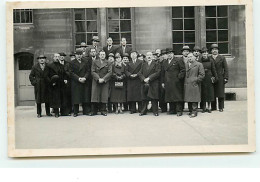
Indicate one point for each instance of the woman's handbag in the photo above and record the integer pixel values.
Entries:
(119, 84)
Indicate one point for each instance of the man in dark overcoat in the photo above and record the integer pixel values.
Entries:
(133, 83)
(173, 73)
(192, 84)
(101, 71)
(110, 48)
(149, 76)
(222, 72)
(58, 79)
(123, 48)
(80, 93)
(162, 104)
(40, 80)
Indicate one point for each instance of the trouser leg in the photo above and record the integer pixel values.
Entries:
(203, 105)
(214, 104)
(178, 107)
(94, 107)
(56, 111)
(126, 106)
(139, 106)
(132, 106)
(194, 106)
(190, 106)
(144, 106)
(39, 109)
(109, 106)
(103, 108)
(85, 108)
(47, 108)
(154, 106)
(76, 108)
(221, 103)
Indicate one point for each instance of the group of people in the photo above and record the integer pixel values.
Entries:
(117, 79)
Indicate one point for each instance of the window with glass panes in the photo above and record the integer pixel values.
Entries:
(119, 24)
(217, 27)
(183, 28)
(85, 25)
(23, 16)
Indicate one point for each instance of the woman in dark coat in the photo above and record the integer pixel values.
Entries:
(118, 85)
(39, 79)
(207, 85)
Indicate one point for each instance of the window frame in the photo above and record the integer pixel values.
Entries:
(74, 26)
(20, 23)
(228, 29)
(132, 26)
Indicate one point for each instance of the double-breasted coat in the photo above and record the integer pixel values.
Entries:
(222, 72)
(150, 91)
(207, 86)
(100, 91)
(57, 91)
(118, 95)
(80, 92)
(173, 77)
(40, 80)
(192, 83)
(133, 84)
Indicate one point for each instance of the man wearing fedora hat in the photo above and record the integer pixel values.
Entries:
(95, 45)
(83, 46)
(80, 92)
(162, 104)
(40, 80)
(196, 53)
(222, 72)
(173, 73)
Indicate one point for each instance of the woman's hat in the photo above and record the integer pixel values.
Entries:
(186, 47)
(204, 49)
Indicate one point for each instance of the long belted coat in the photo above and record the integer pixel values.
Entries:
(100, 91)
(40, 80)
(222, 72)
(150, 91)
(80, 92)
(192, 84)
(173, 77)
(133, 84)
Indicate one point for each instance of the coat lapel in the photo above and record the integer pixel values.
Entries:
(150, 68)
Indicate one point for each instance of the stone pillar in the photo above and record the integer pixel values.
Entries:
(103, 26)
(200, 26)
(152, 28)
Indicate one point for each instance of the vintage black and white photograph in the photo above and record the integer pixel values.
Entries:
(103, 79)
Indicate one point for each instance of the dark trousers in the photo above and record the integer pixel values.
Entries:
(47, 108)
(183, 105)
(175, 107)
(76, 108)
(132, 106)
(98, 106)
(126, 106)
(154, 106)
(163, 106)
(220, 103)
(193, 107)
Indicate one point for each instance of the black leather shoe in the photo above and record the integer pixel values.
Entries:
(209, 111)
(221, 110)
(38, 115)
(49, 114)
(141, 114)
(75, 115)
(56, 115)
(103, 113)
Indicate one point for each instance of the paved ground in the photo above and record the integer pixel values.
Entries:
(125, 130)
